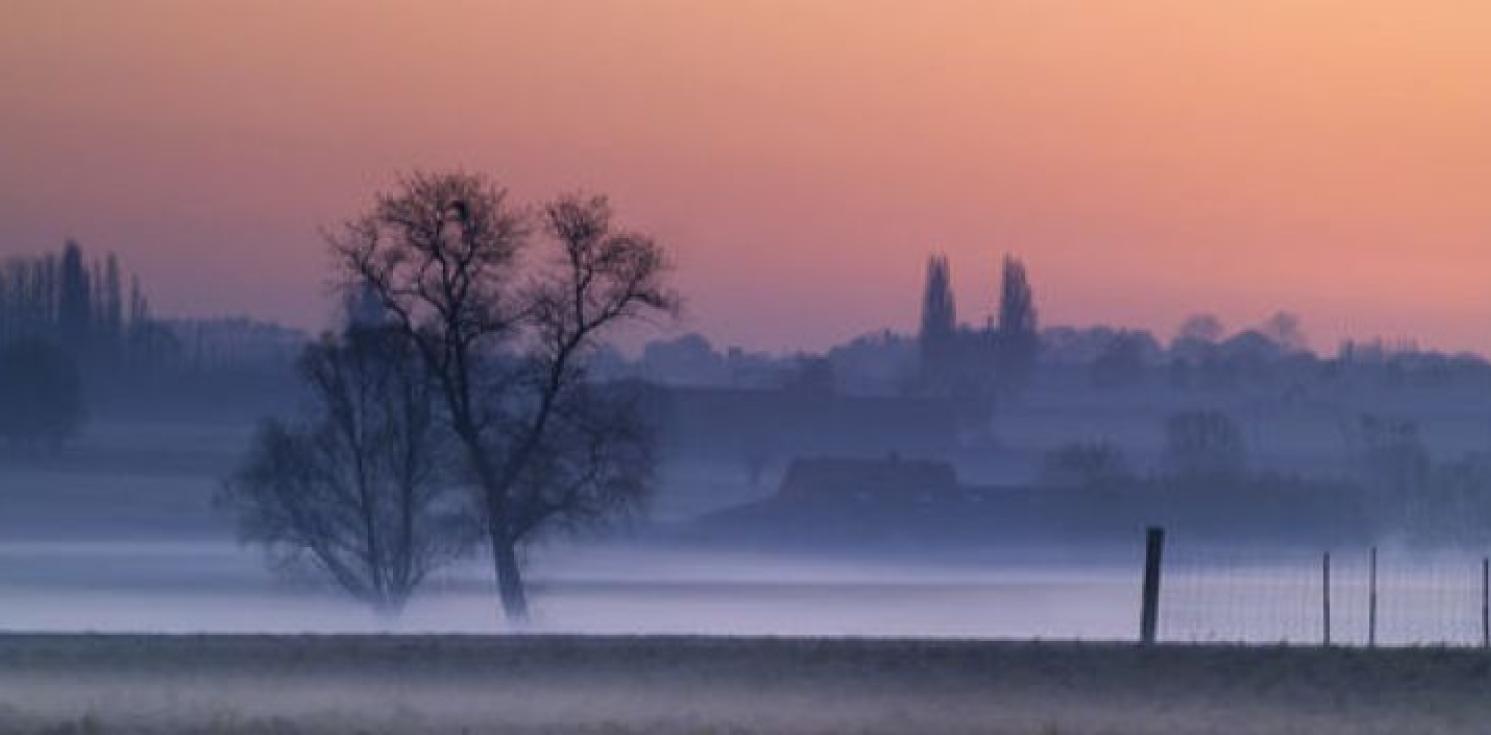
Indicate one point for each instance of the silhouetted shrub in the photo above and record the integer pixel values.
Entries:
(1085, 464)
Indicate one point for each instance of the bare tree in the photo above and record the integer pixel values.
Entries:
(358, 489)
(508, 339)
(1085, 465)
(1204, 328)
(1286, 330)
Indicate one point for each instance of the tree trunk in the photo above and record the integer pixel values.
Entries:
(509, 577)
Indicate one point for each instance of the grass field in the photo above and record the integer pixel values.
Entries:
(354, 684)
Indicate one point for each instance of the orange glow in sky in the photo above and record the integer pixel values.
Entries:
(1146, 159)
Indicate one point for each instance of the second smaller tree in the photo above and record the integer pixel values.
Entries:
(358, 489)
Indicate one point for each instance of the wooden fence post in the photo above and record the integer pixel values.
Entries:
(1325, 595)
(1372, 602)
(1149, 614)
(1485, 602)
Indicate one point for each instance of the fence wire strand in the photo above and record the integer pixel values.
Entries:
(1261, 597)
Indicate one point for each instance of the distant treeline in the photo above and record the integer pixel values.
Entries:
(127, 356)
(1100, 359)
(1009, 353)
(81, 306)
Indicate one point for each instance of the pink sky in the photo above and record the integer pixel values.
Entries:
(1147, 159)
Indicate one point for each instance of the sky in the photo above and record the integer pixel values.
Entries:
(1147, 159)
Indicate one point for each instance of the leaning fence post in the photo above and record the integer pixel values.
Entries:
(1325, 594)
(1485, 599)
(1149, 614)
(1372, 601)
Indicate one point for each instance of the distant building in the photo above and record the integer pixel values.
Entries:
(875, 504)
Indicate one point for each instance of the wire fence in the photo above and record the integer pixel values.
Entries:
(1347, 597)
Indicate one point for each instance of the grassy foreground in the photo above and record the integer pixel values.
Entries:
(479, 684)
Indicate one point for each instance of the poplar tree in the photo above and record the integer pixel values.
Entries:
(1017, 342)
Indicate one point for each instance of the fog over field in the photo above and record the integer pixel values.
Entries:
(205, 587)
(120, 534)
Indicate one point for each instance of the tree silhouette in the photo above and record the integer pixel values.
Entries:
(1017, 343)
(939, 325)
(74, 301)
(112, 307)
(79, 307)
(1085, 465)
(360, 487)
(1205, 328)
(508, 340)
(1286, 330)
